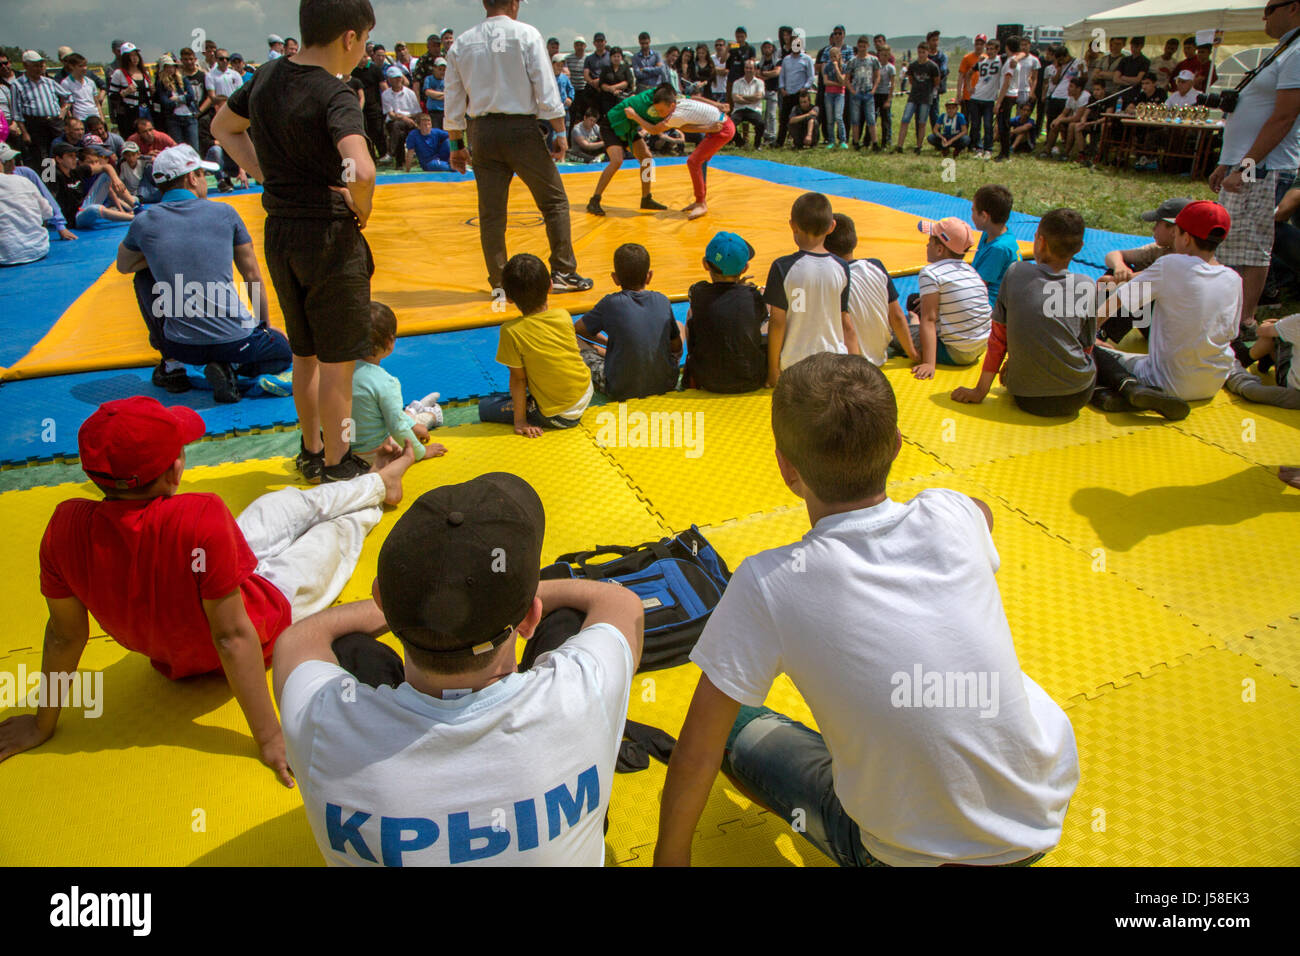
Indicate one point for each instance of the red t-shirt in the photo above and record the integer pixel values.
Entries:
(1203, 69)
(159, 142)
(144, 568)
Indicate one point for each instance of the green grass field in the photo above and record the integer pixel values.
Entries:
(1106, 197)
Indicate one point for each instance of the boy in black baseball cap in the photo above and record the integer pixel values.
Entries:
(466, 760)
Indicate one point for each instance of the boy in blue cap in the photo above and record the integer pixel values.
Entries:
(725, 350)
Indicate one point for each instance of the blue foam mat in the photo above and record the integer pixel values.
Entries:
(36, 294)
(42, 415)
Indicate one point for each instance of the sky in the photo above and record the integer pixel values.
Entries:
(242, 25)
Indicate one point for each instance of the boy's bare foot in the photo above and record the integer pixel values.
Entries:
(434, 450)
(1289, 476)
(696, 209)
(391, 466)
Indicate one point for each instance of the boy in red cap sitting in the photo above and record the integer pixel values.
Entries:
(1194, 303)
(178, 578)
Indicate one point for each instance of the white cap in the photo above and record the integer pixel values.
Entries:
(31, 56)
(1186, 75)
(176, 161)
(64, 51)
(126, 48)
(7, 153)
(441, 61)
(393, 71)
(558, 58)
(166, 60)
(580, 39)
(274, 38)
(128, 147)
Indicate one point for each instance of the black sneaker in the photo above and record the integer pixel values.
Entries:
(1109, 400)
(1242, 351)
(225, 388)
(175, 382)
(225, 187)
(569, 282)
(1153, 399)
(310, 464)
(593, 206)
(648, 202)
(350, 467)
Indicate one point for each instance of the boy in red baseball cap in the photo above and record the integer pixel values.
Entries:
(1191, 302)
(178, 578)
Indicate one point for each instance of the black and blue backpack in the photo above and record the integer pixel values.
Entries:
(679, 580)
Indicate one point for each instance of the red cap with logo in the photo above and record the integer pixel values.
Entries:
(129, 442)
(981, 38)
(1204, 220)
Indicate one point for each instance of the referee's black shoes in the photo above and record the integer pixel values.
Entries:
(569, 282)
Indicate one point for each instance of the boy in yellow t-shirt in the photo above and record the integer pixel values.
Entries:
(550, 385)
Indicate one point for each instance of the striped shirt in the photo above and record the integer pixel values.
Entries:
(43, 97)
(6, 100)
(963, 303)
(134, 91)
(576, 77)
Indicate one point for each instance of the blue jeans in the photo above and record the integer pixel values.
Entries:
(786, 767)
(184, 129)
(911, 109)
(500, 409)
(265, 352)
(835, 119)
(981, 113)
(862, 109)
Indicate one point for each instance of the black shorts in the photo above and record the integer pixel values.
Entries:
(611, 138)
(321, 271)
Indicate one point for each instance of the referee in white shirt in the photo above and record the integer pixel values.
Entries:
(499, 75)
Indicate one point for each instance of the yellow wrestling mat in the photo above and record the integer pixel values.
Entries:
(1140, 573)
(429, 264)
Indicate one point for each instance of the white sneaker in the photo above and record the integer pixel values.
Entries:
(1056, 151)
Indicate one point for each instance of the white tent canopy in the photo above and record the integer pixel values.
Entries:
(1155, 18)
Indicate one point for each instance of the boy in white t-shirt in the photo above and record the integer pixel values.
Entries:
(1193, 302)
(934, 746)
(874, 306)
(807, 293)
(951, 311)
(415, 763)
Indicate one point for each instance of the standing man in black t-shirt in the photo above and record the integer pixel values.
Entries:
(299, 129)
(923, 79)
(592, 67)
(1134, 66)
(617, 81)
(371, 74)
(736, 58)
(769, 68)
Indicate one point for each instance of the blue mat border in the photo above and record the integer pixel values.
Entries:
(43, 414)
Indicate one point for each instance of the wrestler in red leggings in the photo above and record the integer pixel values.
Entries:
(704, 152)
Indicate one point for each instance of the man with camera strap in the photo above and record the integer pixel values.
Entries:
(1260, 153)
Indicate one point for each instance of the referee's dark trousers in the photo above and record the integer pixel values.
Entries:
(501, 146)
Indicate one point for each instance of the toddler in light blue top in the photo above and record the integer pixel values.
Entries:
(377, 398)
